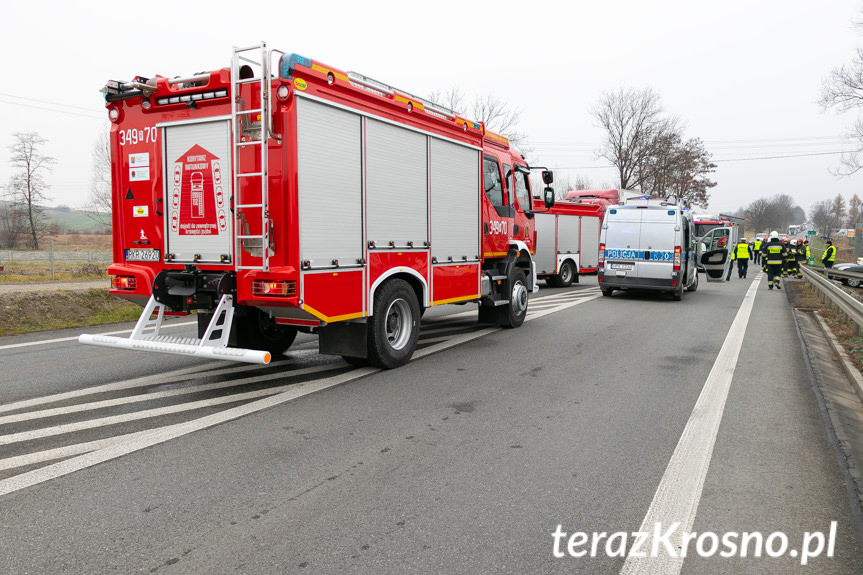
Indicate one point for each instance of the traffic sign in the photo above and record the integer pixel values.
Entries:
(811, 232)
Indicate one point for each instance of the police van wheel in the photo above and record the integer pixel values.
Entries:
(607, 292)
(257, 330)
(677, 295)
(394, 328)
(694, 285)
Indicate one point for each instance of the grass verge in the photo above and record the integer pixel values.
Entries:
(40, 311)
(804, 296)
(24, 272)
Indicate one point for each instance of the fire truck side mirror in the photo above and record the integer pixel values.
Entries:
(548, 196)
(547, 177)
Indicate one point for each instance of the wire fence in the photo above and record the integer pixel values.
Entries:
(66, 257)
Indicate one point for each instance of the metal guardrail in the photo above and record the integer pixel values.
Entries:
(834, 296)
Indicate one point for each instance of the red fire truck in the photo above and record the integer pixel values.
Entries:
(567, 241)
(308, 199)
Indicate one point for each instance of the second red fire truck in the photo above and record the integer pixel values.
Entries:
(309, 198)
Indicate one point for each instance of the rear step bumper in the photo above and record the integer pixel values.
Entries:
(212, 346)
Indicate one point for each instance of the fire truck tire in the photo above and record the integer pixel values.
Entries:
(514, 313)
(566, 275)
(257, 330)
(394, 328)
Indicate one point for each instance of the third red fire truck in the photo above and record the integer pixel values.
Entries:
(567, 241)
(308, 198)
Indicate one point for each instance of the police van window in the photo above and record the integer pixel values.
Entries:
(493, 184)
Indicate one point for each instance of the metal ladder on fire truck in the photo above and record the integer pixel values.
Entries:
(245, 124)
(251, 129)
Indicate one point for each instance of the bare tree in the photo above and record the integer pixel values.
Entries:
(12, 227)
(837, 207)
(823, 217)
(773, 213)
(98, 205)
(758, 215)
(497, 116)
(27, 187)
(633, 122)
(583, 183)
(854, 211)
(843, 90)
(783, 210)
(678, 168)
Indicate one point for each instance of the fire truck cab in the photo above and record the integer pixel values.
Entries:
(309, 198)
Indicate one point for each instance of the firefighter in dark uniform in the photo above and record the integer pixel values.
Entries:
(802, 257)
(790, 258)
(764, 253)
(775, 261)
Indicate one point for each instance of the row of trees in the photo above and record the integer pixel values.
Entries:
(829, 215)
(776, 213)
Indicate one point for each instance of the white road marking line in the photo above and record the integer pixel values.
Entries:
(67, 451)
(93, 405)
(679, 491)
(161, 435)
(96, 452)
(162, 378)
(155, 412)
(62, 339)
(560, 307)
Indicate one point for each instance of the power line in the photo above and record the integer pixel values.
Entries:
(52, 110)
(88, 109)
(785, 156)
(722, 161)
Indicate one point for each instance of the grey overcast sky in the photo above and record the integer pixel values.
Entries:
(744, 75)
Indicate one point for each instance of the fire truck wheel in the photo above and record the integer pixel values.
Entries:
(394, 328)
(517, 308)
(566, 275)
(257, 330)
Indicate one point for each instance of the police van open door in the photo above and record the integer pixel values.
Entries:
(713, 253)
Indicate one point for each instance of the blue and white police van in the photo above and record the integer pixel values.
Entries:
(649, 244)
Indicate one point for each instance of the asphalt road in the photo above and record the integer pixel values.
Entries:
(587, 419)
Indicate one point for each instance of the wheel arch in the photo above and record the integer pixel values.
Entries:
(411, 276)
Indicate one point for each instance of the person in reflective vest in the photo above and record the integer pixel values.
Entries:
(775, 260)
(829, 255)
(808, 253)
(756, 251)
(742, 253)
